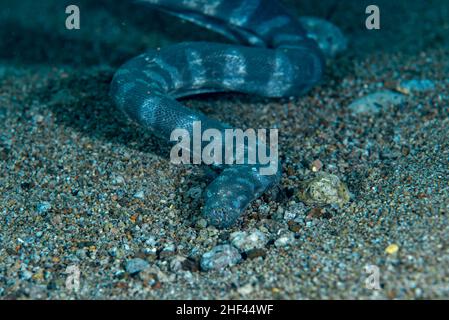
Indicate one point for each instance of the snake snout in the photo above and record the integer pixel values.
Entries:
(221, 216)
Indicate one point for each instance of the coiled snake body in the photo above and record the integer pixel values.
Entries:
(273, 58)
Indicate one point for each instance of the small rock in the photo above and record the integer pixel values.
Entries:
(246, 241)
(373, 103)
(294, 226)
(392, 249)
(153, 276)
(25, 275)
(118, 180)
(151, 241)
(136, 265)
(256, 253)
(176, 264)
(38, 118)
(191, 264)
(316, 165)
(151, 252)
(201, 223)
(409, 86)
(264, 209)
(285, 240)
(246, 289)
(139, 195)
(113, 252)
(43, 207)
(278, 215)
(289, 215)
(294, 210)
(324, 189)
(220, 257)
(329, 37)
(167, 251)
(315, 213)
(4, 152)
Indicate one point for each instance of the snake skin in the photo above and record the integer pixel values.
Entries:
(272, 57)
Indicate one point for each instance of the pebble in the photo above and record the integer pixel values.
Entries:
(289, 215)
(317, 165)
(294, 210)
(329, 37)
(220, 257)
(246, 289)
(294, 226)
(26, 275)
(151, 241)
(264, 209)
(279, 214)
(316, 213)
(374, 102)
(256, 253)
(118, 180)
(136, 265)
(139, 195)
(168, 250)
(43, 207)
(153, 276)
(285, 240)
(113, 252)
(201, 223)
(191, 264)
(176, 264)
(324, 189)
(37, 119)
(392, 249)
(151, 251)
(409, 86)
(246, 241)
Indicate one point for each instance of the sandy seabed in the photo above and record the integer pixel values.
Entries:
(82, 186)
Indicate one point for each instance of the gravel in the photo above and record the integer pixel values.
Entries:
(220, 257)
(43, 207)
(136, 265)
(245, 241)
(285, 240)
(324, 189)
(416, 85)
(375, 102)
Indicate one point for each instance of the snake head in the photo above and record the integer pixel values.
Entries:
(220, 215)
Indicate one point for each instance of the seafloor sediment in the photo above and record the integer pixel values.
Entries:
(81, 186)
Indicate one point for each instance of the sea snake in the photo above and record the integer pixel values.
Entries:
(272, 57)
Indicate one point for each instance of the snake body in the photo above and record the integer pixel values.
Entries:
(272, 57)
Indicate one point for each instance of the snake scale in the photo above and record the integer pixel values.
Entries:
(271, 56)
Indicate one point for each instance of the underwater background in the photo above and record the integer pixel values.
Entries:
(83, 188)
